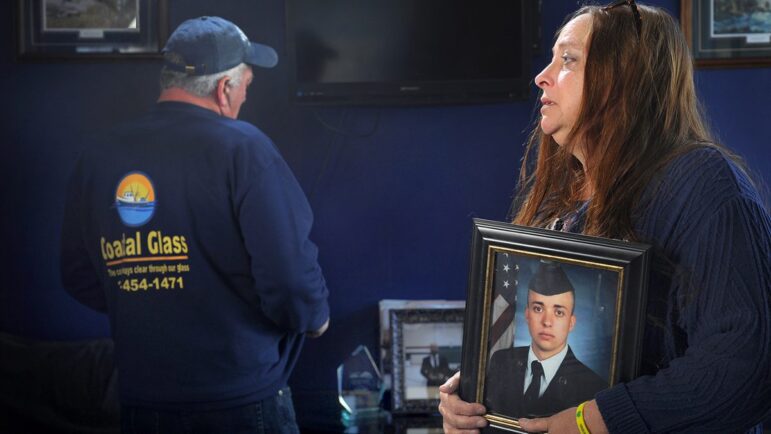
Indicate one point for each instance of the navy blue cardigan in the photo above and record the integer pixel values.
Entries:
(190, 230)
(707, 343)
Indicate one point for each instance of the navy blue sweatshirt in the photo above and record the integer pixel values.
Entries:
(191, 232)
(707, 343)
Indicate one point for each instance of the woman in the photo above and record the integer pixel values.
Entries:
(623, 152)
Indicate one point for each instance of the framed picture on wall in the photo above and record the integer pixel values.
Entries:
(728, 32)
(91, 29)
(425, 352)
(551, 319)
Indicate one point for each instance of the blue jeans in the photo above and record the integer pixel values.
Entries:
(271, 415)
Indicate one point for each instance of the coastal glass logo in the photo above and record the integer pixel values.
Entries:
(135, 199)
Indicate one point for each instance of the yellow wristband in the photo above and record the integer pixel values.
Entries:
(582, 428)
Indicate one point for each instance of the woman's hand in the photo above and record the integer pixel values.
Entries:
(458, 416)
(564, 422)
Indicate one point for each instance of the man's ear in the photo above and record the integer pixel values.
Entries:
(572, 322)
(221, 92)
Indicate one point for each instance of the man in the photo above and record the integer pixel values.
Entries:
(545, 377)
(189, 229)
(435, 368)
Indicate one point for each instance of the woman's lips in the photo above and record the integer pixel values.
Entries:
(546, 103)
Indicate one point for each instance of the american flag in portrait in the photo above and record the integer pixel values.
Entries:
(504, 303)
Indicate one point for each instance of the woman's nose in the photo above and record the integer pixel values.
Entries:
(543, 79)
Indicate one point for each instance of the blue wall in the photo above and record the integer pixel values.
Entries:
(393, 210)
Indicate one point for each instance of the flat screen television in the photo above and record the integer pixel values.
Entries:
(381, 52)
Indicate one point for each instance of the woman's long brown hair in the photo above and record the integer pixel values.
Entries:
(639, 111)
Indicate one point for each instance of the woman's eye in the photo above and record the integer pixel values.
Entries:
(567, 59)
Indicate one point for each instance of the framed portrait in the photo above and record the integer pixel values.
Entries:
(91, 29)
(425, 352)
(728, 32)
(551, 319)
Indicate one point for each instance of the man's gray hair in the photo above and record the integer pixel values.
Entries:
(201, 85)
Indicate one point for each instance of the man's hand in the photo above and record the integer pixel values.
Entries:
(458, 416)
(320, 331)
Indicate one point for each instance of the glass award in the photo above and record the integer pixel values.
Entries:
(359, 385)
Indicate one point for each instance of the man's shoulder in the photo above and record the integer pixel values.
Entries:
(506, 366)
(574, 368)
(237, 133)
(247, 130)
(511, 353)
(197, 121)
(222, 135)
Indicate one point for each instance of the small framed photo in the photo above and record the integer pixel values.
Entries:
(385, 307)
(425, 352)
(727, 32)
(551, 319)
(91, 29)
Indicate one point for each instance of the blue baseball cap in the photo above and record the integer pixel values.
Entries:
(208, 45)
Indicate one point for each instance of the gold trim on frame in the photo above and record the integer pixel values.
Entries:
(491, 250)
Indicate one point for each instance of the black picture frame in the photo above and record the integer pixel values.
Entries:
(413, 333)
(90, 30)
(610, 281)
(719, 36)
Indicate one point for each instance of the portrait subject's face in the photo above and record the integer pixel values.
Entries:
(549, 319)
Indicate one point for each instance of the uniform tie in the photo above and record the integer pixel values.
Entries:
(532, 392)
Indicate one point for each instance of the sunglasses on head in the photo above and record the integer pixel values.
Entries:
(632, 5)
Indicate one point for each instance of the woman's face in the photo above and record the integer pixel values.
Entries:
(562, 81)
